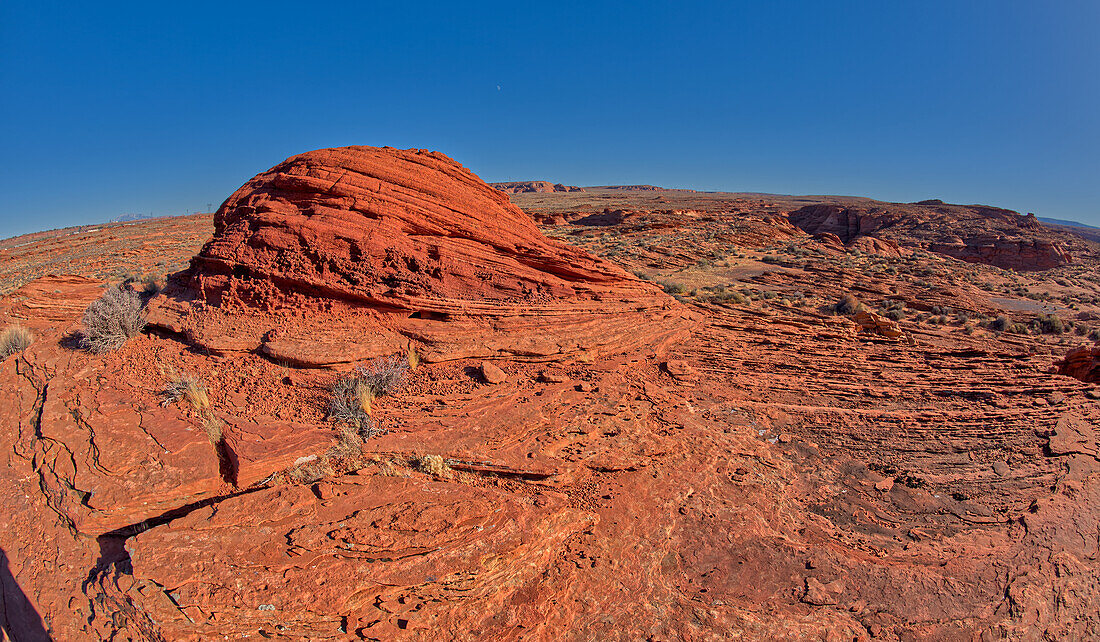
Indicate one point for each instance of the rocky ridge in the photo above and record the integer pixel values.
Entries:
(972, 233)
(539, 187)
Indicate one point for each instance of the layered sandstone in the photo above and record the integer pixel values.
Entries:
(1082, 363)
(534, 187)
(338, 255)
(972, 233)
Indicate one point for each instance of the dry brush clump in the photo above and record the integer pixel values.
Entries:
(353, 393)
(112, 319)
(14, 339)
(433, 465)
(847, 304)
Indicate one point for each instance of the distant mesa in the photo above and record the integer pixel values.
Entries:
(542, 187)
(640, 188)
(342, 254)
(973, 233)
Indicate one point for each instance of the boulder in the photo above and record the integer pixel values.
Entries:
(492, 374)
(870, 322)
(1082, 363)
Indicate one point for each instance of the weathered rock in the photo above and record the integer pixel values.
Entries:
(977, 234)
(1082, 363)
(491, 373)
(540, 187)
(339, 255)
(681, 370)
(872, 323)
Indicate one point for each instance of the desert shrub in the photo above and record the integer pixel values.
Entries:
(1018, 328)
(14, 339)
(1049, 324)
(112, 319)
(672, 288)
(1000, 324)
(353, 393)
(188, 387)
(185, 386)
(847, 304)
(896, 314)
(350, 402)
(1095, 335)
(150, 286)
(433, 465)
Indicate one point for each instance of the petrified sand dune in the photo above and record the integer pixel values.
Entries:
(342, 254)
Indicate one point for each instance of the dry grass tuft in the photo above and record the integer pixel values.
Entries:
(112, 319)
(433, 465)
(14, 339)
(184, 385)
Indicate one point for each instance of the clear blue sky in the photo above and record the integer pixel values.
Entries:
(165, 107)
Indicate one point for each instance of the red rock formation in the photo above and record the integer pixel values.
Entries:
(342, 254)
(1082, 363)
(541, 187)
(976, 234)
(869, 322)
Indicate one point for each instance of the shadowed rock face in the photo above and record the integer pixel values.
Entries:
(309, 255)
(1082, 363)
(975, 234)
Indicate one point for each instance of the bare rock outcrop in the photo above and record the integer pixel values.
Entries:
(338, 255)
(534, 187)
(972, 233)
(1082, 363)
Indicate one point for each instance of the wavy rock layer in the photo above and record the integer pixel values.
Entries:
(341, 254)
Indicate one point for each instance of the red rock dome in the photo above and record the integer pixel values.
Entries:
(341, 254)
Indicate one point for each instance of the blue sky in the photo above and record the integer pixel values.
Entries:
(164, 108)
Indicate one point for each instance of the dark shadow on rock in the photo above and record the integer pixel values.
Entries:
(19, 620)
(602, 219)
(72, 341)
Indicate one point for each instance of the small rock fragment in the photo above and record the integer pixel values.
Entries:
(820, 594)
(586, 386)
(1000, 468)
(681, 370)
(492, 374)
